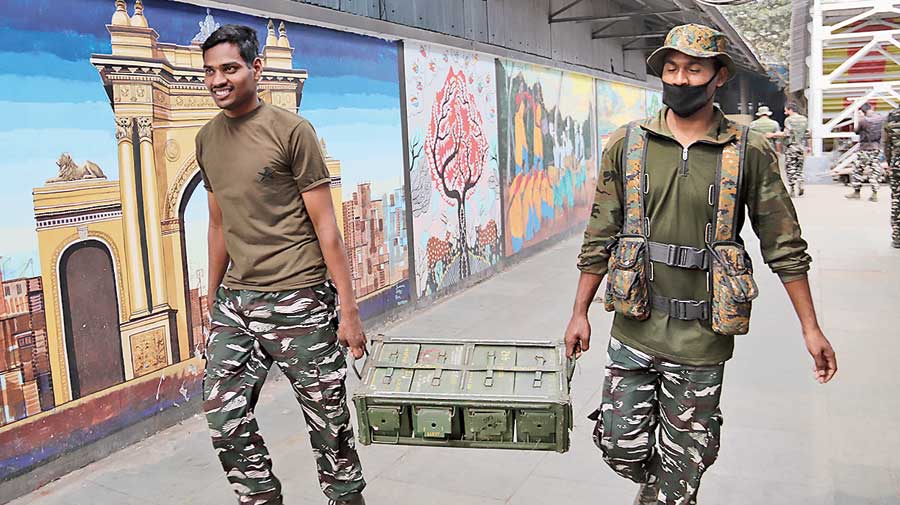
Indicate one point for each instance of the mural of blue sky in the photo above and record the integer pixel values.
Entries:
(52, 100)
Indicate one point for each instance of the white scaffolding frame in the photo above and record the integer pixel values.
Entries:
(830, 19)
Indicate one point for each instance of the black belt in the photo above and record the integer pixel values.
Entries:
(679, 256)
(685, 310)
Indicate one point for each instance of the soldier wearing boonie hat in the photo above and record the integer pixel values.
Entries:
(659, 420)
(765, 124)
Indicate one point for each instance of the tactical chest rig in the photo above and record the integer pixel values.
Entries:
(632, 254)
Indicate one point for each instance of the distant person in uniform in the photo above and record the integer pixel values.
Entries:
(892, 156)
(868, 159)
(273, 241)
(794, 141)
(765, 124)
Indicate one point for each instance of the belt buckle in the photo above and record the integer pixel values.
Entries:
(676, 309)
(672, 255)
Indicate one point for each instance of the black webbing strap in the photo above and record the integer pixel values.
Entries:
(685, 310)
(679, 256)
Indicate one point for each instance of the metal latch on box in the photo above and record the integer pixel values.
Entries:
(389, 373)
(489, 374)
(538, 376)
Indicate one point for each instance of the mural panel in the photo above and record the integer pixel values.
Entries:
(548, 153)
(99, 106)
(654, 102)
(617, 105)
(452, 117)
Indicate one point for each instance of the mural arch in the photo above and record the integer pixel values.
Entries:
(193, 257)
(90, 308)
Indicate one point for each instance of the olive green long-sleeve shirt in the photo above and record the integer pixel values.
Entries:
(677, 205)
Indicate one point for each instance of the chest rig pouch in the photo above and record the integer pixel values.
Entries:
(632, 254)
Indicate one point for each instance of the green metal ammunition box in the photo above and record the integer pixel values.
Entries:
(465, 393)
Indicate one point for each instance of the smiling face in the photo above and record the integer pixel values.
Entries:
(230, 80)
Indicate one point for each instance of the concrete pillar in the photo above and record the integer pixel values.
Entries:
(151, 214)
(128, 191)
(814, 91)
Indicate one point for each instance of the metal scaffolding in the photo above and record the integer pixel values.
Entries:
(854, 59)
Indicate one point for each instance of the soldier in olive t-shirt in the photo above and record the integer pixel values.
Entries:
(260, 165)
(277, 265)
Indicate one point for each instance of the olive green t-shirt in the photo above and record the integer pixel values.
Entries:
(678, 183)
(257, 165)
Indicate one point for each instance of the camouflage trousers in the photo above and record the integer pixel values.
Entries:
(659, 422)
(895, 205)
(866, 160)
(793, 167)
(250, 330)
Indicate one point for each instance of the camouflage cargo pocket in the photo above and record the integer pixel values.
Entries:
(627, 285)
(733, 289)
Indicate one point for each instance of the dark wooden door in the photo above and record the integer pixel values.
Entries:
(91, 314)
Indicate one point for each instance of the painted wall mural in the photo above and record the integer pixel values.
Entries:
(103, 261)
(452, 120)
(654, 102)
(617, 105)
(548, 151)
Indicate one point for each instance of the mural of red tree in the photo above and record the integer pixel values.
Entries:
(456, 150)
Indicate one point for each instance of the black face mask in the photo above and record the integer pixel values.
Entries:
(686, 100)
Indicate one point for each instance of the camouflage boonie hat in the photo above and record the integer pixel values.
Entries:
(694, 40)
(763, 111)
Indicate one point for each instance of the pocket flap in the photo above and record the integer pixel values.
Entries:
(743, 288)
(628, 252)
(733, 259)
(623, 283)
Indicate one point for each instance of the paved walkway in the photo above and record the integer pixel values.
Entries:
(786, 440)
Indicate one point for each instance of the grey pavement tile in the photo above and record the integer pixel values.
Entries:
(551, 490)
(718, 490)
(495, 474)
(870, 485)
(772, 456)
(583, 463)
(854, 439)
(80, 492)
(384, 491)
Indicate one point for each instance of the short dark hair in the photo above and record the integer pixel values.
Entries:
(865, 107)
(792, 106)
(242, 36)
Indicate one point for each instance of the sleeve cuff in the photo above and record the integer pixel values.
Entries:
(594, 268)
(315, 184)
(791, 277)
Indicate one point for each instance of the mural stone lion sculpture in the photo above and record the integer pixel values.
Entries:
(70, 171)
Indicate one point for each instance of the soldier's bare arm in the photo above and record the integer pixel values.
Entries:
(321, 212)
(217, 255)
(818, 346)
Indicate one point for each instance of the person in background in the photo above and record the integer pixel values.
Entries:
(794, 140)
(765, 124)
(891, 143)
(868, 159)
